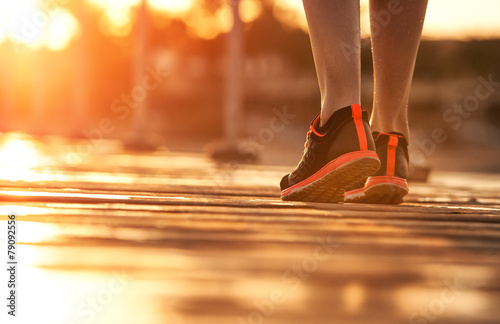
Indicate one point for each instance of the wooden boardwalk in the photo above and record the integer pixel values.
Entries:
(127, 238)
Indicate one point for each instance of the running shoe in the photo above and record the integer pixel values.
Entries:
(336, 155)
(388, 185)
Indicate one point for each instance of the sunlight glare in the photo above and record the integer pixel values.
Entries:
(209, 26)
(250, 10)
(28, 23)
(15, 25)
(65, 195)
(114, 4)
(37, 232)
(117, 19)
(462, 19)
(117, 22)
(61, 30)
(119, 15)
(291, 13)
(60, 297)
(172, 7)
(21, 210)
(445, 19)
(19, 157)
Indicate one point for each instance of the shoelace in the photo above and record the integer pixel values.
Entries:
(306, 158)
(308, 135)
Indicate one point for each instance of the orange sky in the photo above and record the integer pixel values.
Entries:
(24, 22)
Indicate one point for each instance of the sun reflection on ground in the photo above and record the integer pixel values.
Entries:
(20, 210)
(64, 195)
(18, 156)
(67, 297)
(37, 232)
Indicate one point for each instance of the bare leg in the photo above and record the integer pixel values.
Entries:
(395, 42)
(334, 32)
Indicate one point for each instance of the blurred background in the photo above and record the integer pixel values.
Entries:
(157, 74)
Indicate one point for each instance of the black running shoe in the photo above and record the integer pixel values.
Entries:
(388, 185)
(336, 156)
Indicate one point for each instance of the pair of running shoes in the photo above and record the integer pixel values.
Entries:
(344, 161)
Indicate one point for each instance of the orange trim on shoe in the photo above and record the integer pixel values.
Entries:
(316, 124)
(391, 155)
(389, 134)
(331, 166)
(377, 180)
(357, 115)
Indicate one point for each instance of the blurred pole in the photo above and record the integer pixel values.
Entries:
(234, 92)
(8, 84)
(140, 113)
(229, 149)
(38, 113)
(80, 104)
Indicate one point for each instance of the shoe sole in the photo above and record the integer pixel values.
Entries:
(379, 190)
(329, 184)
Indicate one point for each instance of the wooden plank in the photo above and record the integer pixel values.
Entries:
(205, 251)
